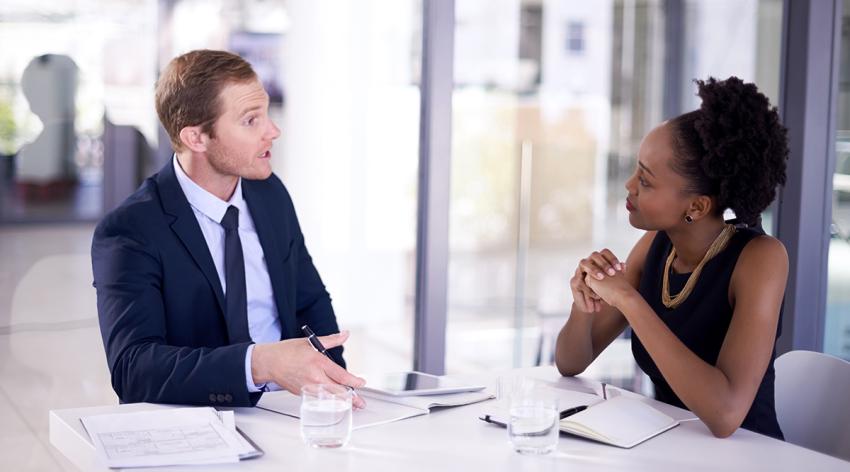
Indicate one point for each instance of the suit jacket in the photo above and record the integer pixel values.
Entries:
(161, 306)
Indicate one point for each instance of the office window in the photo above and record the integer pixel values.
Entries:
(344, 77)
(344, 84)
(70, 73)
(531, 42)
(532, 188)
(538, 170)
(350, 159)
(749, 48)
(733, 37)
(837, 330)
(575, 37)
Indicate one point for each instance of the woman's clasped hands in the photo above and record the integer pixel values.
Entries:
(600, 279)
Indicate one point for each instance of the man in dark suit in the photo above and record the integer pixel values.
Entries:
(203, 279)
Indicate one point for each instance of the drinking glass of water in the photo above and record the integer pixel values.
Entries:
(325, 415)
(533, 423)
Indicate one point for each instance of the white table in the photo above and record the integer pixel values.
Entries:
(455, 439)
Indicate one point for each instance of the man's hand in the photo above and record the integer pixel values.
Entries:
(294, 363)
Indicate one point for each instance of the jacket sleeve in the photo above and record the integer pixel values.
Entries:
(128, 278)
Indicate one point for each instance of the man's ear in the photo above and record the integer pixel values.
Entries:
(700, 207)
(194, 139)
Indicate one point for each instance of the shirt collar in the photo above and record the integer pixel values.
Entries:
(211, 206)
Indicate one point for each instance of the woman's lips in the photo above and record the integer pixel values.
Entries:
(629, 206)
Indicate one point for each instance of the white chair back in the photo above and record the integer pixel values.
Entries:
(813, 401)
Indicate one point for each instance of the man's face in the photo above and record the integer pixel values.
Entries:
(243, 133)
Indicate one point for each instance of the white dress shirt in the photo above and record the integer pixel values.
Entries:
(263, 321)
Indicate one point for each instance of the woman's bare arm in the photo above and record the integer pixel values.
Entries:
(586, 333)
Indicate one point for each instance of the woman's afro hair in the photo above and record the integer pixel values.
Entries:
(733, 148)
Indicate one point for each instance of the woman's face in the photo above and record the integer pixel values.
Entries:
(657, 199)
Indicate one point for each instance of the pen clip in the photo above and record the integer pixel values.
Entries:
(314, 340)
(307, 331)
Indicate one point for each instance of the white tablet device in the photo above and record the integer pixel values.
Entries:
(417, 383)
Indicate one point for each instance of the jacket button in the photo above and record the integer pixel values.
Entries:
(212, 397)
(228, 398)
(219, 397)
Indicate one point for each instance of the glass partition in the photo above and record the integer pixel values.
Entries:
(75, 88)
(551, 101)
(78, 128)
(837, 330)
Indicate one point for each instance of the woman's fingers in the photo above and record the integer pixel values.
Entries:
(579, 297)
(591, 268)
(581, 293)
(594, 267)
(607, 261)
(585, 298)
(601, 263)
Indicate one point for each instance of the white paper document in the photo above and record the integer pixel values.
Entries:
(380, 409)
(376, 411)
(166, 437)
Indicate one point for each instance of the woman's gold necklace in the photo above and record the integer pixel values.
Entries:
(718, 245)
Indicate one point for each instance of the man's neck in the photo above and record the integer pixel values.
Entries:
(198, 169)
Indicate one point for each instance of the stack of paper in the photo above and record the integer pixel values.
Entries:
(167, 437)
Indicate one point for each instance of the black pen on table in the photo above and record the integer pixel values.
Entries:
(317, 345)
(561, 415)
(572, 411)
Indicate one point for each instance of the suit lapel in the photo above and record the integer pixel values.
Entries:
(185, 225)
(269, 240)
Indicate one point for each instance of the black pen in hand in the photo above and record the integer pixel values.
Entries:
(317, 345)
(314, 341)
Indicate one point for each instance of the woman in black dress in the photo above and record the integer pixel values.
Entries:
(701, 295)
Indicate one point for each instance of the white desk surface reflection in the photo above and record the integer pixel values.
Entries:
(455, 439)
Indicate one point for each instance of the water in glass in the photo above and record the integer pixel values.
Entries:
(325, 415)
(533, 428)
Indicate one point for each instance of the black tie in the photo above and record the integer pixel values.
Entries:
(236, 299)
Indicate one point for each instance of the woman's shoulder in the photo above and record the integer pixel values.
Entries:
(763, 246)
(761, 254)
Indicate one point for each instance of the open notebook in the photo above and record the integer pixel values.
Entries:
(380, 409)
(619, 421)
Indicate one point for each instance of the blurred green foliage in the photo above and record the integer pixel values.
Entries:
(7, 128)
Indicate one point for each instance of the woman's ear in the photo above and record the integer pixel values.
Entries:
(700, 207)
(194, 139)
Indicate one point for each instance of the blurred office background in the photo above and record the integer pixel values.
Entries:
(550, 101)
